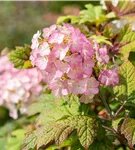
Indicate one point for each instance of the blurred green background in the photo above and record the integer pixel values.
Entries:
(20, 20)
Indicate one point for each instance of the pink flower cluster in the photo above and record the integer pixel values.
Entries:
(66, 59)
(109, 77)
(18, 87)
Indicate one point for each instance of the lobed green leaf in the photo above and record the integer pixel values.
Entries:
(128, 129)
(20, 57)
(126, 86)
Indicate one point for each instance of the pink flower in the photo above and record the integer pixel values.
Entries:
(48, 31)
(79, 87)
(13, 112)
(59, 51)
(59, 88)
(75, 72)
(4, 65)
(41, 62)
(76, 68)
(66, 60)
(87, 50)
(66, 29)
(33, 56)
(109, 77)
(56, 37)
(63, 67)
(102, 56)
(18, 86)
(44, 49)
(35, 42)
(92, 87)
(74, 59)
(87, 66)
(51, 73)
(76, 41)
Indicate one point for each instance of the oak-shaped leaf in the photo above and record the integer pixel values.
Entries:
(126, 34)
(101, 39)
(30, 141)
(126, 37)
(90, 15)
(60, 108)
(124, 9)
(124, 91)
(58, 131)
(56, 125)
(94, 14)
(128, 129)
(20, 57)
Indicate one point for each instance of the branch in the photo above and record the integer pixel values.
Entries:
(107, 107)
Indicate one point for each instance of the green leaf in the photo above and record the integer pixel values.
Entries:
(68, 19)
(116, 122)
(16, 139)
(85, 130)
(59, 122)
(30, 141)
(125, 50)
(128, 129)
(70, 141)
(27, 64)
(108, 32)
(7, 128)
(101, 39)
(62, 109)
(124, 9)
(59, 130)
(3, 143)
(126, 34)
(77, 146)
(102, 145)
(127, 38)
(94, 14)
(101, 142)
(121, 148)
(20, 57)
(44, 101)
(132, 57)
(126, 86)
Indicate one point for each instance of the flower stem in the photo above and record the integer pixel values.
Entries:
(109, 129)
(119, 110)
(107, 107)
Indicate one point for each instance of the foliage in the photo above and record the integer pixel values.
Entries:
(128, 130)
(60, 122)
(91, 15)
(16, 139)
(125, 89)
(124, 9)
(88, 71)
(20, 57)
